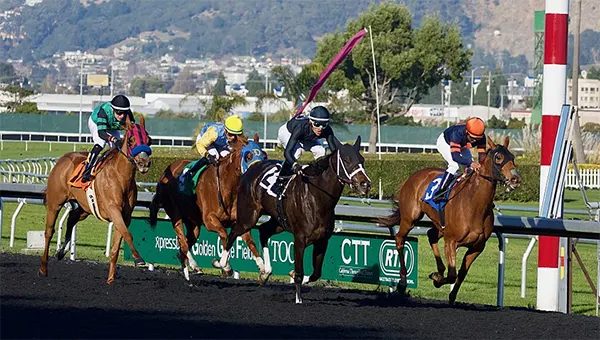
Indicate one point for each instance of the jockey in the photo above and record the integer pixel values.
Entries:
(213, 142)
(454, 144)
(104, 124)
(302, 133)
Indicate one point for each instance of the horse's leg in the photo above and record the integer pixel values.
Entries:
(75, 215)
(470, 256)
(406, 225)
(51, 214)
(192, 238)
(319, 249)
(120, 225)
(183, 246)
(246, 220)
(434, 235)
(266, 230)
(247, 237)
(114, 255)
(450, 252)
(212, 223)
(299, 248)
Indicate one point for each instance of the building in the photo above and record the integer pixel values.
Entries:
(588, 93)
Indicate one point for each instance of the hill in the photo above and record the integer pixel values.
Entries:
(253, 27)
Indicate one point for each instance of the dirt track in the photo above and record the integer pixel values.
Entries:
(74, 302)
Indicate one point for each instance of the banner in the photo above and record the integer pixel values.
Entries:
(350, 257)
(332, 65)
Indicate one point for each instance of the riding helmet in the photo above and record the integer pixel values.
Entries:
(234, 125)
(475, 127)
(319, 114)
(120, 102)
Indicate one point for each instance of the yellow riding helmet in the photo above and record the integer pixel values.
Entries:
(234, 125)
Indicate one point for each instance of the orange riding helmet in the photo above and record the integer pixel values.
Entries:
(475, 127)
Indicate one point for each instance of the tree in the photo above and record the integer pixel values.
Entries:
(495, 123)
(219, 89)
(7, 73)
(254, 83)
(593, 73)
(185, 82)
(17, 97)
(141, 86)
(220, 106)
(298, 85)
(409, 61)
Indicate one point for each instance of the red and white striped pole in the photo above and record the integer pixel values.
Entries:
(554, 95)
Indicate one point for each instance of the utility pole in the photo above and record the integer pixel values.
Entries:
(265, 112)
(489, 91)
(112, 79)
(80, 97)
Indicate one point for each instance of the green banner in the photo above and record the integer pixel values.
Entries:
(350, 257)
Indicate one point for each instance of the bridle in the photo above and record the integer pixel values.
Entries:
(348, 176)
(497, 175)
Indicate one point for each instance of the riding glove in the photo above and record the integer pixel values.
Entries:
(297, 168)
(212, 159)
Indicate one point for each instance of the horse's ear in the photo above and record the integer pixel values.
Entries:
(506, 141)
(490, 143)
(142, 122)
(256, 139)
(357, 143)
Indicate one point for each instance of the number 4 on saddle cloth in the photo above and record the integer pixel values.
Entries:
(431, 192)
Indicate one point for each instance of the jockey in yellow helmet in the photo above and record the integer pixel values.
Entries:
(213, 142)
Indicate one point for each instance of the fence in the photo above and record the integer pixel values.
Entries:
(589, 177)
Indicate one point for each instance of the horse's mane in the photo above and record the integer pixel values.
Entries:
(318, 166)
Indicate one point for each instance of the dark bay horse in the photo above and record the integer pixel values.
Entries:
(214, 203)
(115, 197)
(308, 205)
(469, 214)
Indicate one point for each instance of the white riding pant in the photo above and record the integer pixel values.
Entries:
(444, 149)
(316, 147)
(214, 151)
(94, 131)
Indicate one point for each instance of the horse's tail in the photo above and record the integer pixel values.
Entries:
(391, 220)
(156, 204)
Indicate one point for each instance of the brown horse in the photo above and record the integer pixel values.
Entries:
(115, 198)
(307, 211)
(468, 215)
(214, 204)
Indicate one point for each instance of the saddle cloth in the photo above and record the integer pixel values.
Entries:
(88, 187)
(187, 186)
(432, 191)
(269, 178)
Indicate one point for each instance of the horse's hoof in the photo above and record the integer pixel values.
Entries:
(42, 274)
(139, 262)
(110, 281)
(216, 263)
(401, 289)
(60, 255)
(291, 274)
(226, 273)
(437, 278)
(263, 277)
(197, 271)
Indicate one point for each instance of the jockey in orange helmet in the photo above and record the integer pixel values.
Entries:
(454, 144)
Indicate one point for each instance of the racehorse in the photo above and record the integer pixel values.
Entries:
(307, 209)
(214, 204)
(468, 215)
(116, 197)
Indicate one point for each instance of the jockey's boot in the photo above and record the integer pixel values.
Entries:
(189, 175)
(441, 192)
(279, 185)
(91, 163)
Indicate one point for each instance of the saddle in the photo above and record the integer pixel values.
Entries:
(76, 176)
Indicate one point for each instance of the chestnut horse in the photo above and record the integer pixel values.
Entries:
(468, 214)
(115, 198)
(309, 203)
(214, 203)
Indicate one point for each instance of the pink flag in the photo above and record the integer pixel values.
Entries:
(332, 65)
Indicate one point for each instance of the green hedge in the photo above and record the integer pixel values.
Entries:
(392, 173)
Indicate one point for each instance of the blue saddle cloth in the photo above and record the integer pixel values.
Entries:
(432, 190)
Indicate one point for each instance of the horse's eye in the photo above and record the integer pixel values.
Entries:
(347, 159)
